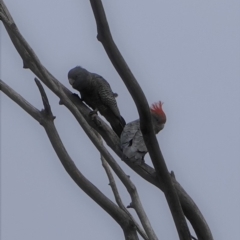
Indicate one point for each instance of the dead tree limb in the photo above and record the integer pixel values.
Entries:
(45, 118)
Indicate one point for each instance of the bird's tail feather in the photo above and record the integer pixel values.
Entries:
(118, 125)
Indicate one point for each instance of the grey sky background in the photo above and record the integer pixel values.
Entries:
(185, 53)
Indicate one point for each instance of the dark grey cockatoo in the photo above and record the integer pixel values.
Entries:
(96, 92)
(131, 140)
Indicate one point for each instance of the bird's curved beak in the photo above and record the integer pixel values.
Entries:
(71, 81)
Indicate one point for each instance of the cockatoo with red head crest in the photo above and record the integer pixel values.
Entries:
(131, 140)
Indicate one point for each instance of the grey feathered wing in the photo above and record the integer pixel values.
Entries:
(132, 142)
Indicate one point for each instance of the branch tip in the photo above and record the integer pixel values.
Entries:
(47, 108)
(130, 205)
(172, 174)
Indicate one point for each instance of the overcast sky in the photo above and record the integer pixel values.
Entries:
(185, 53)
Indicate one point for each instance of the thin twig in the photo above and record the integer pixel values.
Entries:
(118, 199)
(47, 107)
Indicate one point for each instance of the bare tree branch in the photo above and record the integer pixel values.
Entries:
(25, 105)
(45, 118)
(11, 26)
(104, 36)
(118, 198)
(47, 107)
